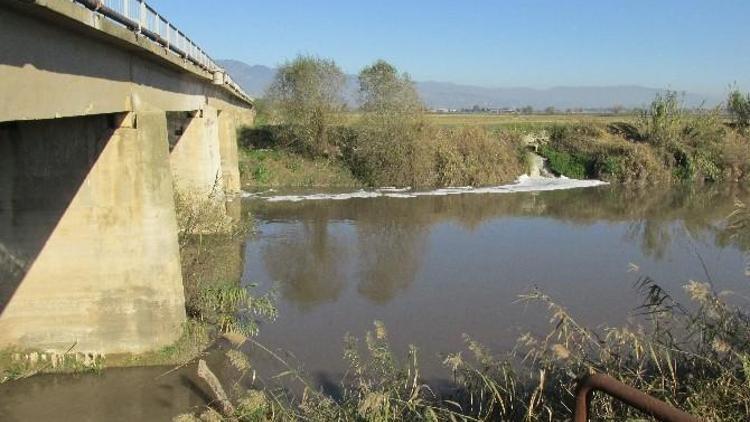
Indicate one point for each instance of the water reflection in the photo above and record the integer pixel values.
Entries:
(433, 268)
(380, 243)
(307, 262)
(391, 245)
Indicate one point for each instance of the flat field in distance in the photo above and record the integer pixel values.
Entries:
(512, 122)
(522, 121)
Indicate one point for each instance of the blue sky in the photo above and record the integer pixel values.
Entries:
(699, 46)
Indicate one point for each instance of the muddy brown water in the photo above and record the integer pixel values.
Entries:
(432, 268)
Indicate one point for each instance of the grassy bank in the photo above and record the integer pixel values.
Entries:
(283, 168)
(488, 150)
(672, 146)
(415, 154)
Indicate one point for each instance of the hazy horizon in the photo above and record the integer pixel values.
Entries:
(255, 78)
(538, 88)
(687, 45)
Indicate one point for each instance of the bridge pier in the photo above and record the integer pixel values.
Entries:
(99, 125)
(87, 214)
(195, 153)
(229, 122)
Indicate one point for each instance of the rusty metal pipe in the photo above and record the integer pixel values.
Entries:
(626, 394)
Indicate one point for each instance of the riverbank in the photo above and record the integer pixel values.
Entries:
(663, 144)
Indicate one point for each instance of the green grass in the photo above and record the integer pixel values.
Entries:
(278, 168)
(572, 165)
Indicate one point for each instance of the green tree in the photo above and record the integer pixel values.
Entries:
(388, 147)
(384, 91)
(306, 95)
(738, 106)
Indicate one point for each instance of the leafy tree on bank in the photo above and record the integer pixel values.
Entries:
(306, 97)
(388, 148)
(738, 106)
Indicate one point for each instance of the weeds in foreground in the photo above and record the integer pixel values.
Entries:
(694, 356)
(216, 301)
(232, 309)
(206, 213)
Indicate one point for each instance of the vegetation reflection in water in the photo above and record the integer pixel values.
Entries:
(309, 261)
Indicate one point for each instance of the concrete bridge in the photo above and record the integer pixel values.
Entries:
(106, 109)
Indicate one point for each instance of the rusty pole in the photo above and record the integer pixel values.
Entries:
(626, 394)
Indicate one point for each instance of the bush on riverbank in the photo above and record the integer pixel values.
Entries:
(589, 152)
(665, 144)
(477, 157)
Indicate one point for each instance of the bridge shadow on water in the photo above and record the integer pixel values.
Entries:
(43, 165)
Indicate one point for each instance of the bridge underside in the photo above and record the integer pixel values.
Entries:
(97, 132)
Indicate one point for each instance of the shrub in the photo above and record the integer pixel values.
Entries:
(392, 153)
(393, 145)
(735, 157)
(471, 156)
(230, 308)
(588, 151)
(660, 124)
(573, 165)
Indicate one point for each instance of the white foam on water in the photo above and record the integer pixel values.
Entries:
(524, 183)
(324, 196)
(394, 189)
(245, 194)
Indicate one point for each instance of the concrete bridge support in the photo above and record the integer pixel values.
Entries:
(87, 214)
(99, 125)
(229, 122)
(195, 152)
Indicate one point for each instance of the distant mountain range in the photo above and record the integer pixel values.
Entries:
(256, 78)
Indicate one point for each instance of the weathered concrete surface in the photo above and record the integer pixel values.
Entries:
(229, 123)
(88, 232)
(58, 59)
(195, 155)
(92, 215)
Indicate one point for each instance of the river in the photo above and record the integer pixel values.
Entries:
(432, 268)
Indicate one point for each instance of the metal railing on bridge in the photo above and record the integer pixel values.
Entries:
(141, 18)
